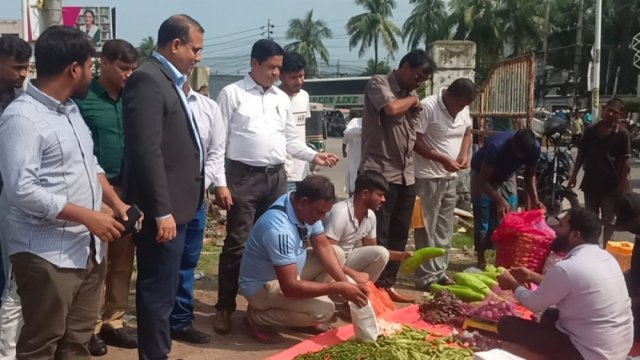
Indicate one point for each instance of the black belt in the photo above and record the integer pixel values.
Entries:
(269, 169)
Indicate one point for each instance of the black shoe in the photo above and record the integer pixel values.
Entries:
(191, 335)
(96, 346)
(122, 338)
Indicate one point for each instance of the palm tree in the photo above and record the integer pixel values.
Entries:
(427, 23)
(367, 28)
(373, 69)
(147, 45)
(523, 23)
(308, 34)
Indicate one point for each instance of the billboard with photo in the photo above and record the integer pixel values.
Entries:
(95, 21)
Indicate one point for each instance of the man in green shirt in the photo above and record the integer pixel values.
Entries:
(102, 111)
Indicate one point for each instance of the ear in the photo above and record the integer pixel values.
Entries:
(254, 62)
(175, 43)
(75, 69)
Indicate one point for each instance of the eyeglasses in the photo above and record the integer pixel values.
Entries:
(196, 50)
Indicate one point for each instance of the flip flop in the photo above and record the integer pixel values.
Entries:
(263, 334)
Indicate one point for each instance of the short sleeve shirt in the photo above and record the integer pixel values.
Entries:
(277, 239)
(387, 141)
(497, 154)
(600, 158)
(342, 225)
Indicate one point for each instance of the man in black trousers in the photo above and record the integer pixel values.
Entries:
(163, 174)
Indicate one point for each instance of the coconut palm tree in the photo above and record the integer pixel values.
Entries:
(367, 28)
(308, 34)
(427, 23)
(147, 45)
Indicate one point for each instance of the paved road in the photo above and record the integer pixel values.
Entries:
(337, 175)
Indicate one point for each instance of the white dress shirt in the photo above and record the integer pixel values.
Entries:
(213, 136)
(353, 139)
(589, 290)
(260, 131)
(341, 225)
(297, 170)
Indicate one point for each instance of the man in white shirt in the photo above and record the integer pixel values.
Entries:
(351, 225)
(352, 150)
(212, 136)
(442, 149)
(260, 135)
(592, 317)
(291, 81)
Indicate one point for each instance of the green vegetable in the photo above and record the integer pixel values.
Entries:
(490, 268)
(491, 275)
(461, 292)
(485, 279)
(410, 265)
(500, 269)
(471, 282)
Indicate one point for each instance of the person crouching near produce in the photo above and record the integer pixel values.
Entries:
(351, 225)
(592, 316)
(492, 170)
(284, 283)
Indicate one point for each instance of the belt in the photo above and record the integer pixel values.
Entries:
(269, 169)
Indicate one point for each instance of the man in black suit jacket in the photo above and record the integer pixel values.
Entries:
(163, 174)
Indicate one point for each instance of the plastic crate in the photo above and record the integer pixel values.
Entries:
(621, 250)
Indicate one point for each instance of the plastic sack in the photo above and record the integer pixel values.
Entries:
(379, 299)
(365, 324)
(523, 239)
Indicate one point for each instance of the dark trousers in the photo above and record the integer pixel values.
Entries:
(156, 288)
(602, 205)
(253, 193)
(59, 307)
(542, 337)
(394, 221)
(182, 314)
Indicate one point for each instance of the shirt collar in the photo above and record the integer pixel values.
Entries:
(191, 95)
(393, 84)
(99, 90)
(290, 211)
(352, 211)
(48, 101)
(577, 249)
(177, 77)
(251, 84)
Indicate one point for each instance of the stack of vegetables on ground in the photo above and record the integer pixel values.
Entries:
(444, 308)
(472, 287)
(407, 344)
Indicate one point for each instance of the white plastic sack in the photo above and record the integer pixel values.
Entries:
(365, 324)
(495, 354)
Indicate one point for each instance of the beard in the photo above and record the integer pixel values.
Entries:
(560, 244)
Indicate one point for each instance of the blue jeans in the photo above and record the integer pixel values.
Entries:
(182, 314)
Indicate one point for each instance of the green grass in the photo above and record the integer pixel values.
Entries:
(209, 257)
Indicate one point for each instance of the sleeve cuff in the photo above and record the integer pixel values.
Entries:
(163, 217)
(55, 207)
(220, 180)
(310, 155)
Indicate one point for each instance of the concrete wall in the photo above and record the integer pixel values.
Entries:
(11, 27)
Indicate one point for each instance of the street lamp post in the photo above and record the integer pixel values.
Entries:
(595, 94)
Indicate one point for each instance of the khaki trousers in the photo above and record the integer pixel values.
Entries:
(368, 259)
(59, 307)
(270, 307)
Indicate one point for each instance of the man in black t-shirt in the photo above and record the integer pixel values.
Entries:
(604, 152)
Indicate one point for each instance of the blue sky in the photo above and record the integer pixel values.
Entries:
(232, 26)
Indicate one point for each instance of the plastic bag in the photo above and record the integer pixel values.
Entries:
(523, 239)
(365, 324)
(379, 299)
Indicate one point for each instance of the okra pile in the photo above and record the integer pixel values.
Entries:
(409, 344)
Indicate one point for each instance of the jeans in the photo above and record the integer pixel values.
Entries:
(182, 314)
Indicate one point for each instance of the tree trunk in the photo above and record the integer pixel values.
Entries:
(375, 53)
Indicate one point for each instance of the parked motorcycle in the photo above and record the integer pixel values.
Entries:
(554, 169)
(634, 136)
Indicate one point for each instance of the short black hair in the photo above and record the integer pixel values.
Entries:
(586, 222)
(13, 47)
(116, 49)
(615, 101)
(371, 180)
(60, 46)
(418, 57)
(177, 27)
(316, 187)
(525, 141)
(463, 88)
(264, 49)
(293, 62)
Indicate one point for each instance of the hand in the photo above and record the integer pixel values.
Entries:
(120, 212)
(406, 255)
(451, 165)
(104, 226)
(166, 229)
(414, 111)
(360, 277)
(507, 281)
(503, 208)
(325, 159)
(537, 204)
(522, 274)
(572, 182)
(357, 294)
(223, 197)
(463, 162)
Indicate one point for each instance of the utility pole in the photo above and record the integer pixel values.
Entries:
(595, 95)
(578, 55)
(338, 68)
(267, 30)
(52, 13)
(545, 49)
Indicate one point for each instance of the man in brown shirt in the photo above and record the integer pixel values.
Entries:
(388, 135)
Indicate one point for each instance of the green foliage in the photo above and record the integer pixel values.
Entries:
(308, 35)
(146, 47)
(373, 69)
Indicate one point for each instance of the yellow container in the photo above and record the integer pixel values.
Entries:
(417, 218)
(621, 250)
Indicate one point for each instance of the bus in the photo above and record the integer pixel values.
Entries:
(332, 93)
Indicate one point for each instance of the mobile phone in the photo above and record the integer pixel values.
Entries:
(133, 214)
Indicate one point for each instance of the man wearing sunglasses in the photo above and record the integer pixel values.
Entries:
(604, 153)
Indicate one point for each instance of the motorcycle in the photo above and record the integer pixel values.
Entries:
(553, 170)
(634, 137)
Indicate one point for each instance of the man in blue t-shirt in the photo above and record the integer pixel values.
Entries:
(284, 283)
(492, 169)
